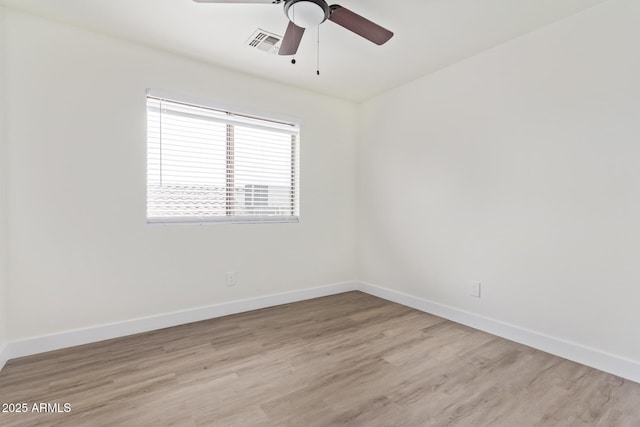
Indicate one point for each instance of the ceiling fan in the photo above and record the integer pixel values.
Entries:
(304, 14)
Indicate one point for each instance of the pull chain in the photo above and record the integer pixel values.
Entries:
(293, 60)
(318, 53)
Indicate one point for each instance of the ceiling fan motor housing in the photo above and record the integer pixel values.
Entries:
(307, 13)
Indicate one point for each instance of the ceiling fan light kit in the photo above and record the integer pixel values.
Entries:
(307, 13)
(304, 14)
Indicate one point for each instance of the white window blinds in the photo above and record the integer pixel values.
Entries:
(210, 165)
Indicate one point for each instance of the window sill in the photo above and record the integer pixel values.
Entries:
(222, 220)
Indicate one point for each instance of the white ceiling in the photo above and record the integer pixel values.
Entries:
(429, 35)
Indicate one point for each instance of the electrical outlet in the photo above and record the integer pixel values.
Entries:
(231, 278)
(474, 289)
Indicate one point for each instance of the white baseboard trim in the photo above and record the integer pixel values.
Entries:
(41, 344)
(4, 356)
(620, 366)
(607, 362)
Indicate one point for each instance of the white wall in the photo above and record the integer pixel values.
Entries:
(517, 168)
(81, 252)
(3, 198)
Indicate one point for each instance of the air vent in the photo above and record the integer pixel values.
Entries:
(265, 41)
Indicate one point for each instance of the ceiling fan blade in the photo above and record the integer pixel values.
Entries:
(291, 40)
(359, 25)
(237, 1)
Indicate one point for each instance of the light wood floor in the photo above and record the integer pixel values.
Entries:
(349, 359)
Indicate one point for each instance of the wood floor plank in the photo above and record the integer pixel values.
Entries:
(349, 359)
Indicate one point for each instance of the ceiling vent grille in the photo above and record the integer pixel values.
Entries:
(265, 41)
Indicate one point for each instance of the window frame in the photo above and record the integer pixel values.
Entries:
(229, 190)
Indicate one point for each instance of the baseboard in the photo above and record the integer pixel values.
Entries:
(4, 356)
(41, 344)
(607, 362)
(597, 359)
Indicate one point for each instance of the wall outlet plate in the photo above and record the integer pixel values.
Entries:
(231, 278)
(475, 289)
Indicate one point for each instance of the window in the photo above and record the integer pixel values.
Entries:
(207, 165)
